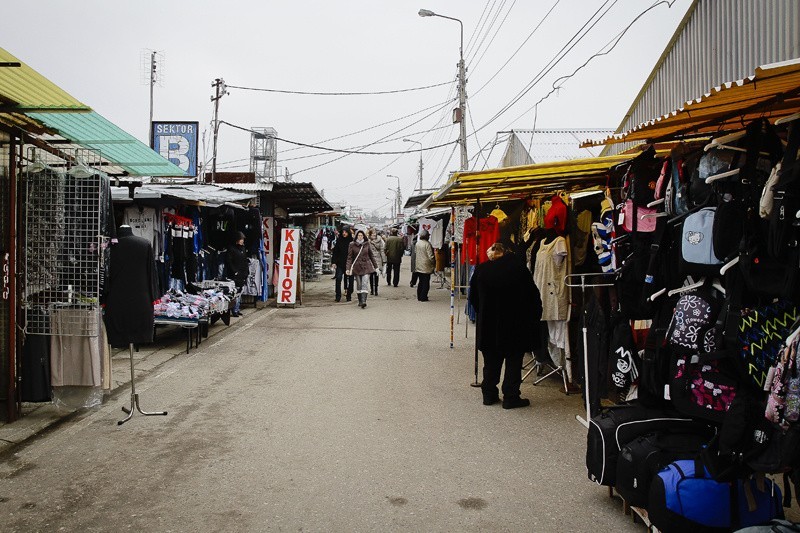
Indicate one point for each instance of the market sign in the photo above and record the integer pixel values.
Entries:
(177, 141)
(289, 266)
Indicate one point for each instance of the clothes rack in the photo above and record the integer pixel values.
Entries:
(569, 281)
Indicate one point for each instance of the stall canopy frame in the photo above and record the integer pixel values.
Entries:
(497, 185)
(772, 92)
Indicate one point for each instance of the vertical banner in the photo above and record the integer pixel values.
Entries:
(289, 266)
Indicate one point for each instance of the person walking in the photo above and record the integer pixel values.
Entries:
(508, 312)
(339, 262)
(360, 264)
(237, 269)
(394, 256)
(425, 265)
(414, 273)
(379, 251)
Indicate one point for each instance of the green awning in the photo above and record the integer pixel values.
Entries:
(121, 153)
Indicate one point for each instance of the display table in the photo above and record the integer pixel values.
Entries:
(192, 327)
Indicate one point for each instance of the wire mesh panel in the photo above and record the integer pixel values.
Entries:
(5, 274)
(64, 245)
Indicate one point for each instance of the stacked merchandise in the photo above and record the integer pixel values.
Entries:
(182, 306)
(708, 251)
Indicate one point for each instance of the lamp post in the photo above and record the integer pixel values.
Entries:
(462, 88)
(398, 196)
(420, 160)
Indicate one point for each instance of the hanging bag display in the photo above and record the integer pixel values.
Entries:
(704, 386)
(693, 327)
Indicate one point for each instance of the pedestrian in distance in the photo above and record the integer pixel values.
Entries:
(237, 268)
(379, 251)
(339, 262)
(508, 313)
(394, 256)
(425, 265)
(360, 264)
(414, 273)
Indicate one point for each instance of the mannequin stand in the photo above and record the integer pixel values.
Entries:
(543, 367)
(135, 398)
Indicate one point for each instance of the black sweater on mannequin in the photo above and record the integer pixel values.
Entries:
(130, 290)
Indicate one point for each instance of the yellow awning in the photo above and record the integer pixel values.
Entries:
(772, 92)
(23, 89)
(519, 182)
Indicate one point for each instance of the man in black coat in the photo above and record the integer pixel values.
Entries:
(508, 314)
(339, 261)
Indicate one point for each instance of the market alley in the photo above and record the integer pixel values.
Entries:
(325, 417)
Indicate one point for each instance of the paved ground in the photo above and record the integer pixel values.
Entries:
(321, 418)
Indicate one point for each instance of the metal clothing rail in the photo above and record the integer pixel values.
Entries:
(583, 286)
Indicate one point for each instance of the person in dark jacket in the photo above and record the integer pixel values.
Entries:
(508, 314)
(361, 263)
(339, 262)
(394, 256)
(238, 268)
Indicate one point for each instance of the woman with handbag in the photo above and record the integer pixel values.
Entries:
(378, 251)
(360, 264)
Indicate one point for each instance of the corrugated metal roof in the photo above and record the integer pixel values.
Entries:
(27, 90)
(519, 182)
(772, 92)
(199, 193)
(91, 130)
(718, 40)
(527, 147)
(295, 197)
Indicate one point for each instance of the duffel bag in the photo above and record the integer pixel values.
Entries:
(684, 497)
(641, 459)
(616, 426)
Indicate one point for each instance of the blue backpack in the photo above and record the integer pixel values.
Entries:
(684, 497)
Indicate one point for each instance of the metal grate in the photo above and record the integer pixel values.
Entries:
(64, 245)
(5, 310)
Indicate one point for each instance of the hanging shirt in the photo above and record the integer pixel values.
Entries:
(143, 223)
(489, 234)
(437, 236)
(549, 273)
(324, 244)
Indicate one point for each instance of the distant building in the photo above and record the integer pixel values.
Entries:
(716, 42)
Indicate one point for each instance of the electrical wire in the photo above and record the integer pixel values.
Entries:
(327, 149)
(314, 93)
(555, 60)
(528, 38)
(497, 31)
(474, 30)
(479, 27)
(488, 30)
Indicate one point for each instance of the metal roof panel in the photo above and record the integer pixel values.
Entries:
(26, 89)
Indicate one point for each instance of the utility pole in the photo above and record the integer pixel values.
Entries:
(462, 102)
(219, 86)
(420, 160)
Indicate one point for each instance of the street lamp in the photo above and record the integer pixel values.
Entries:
(397, 193)
(420, 160)
(462, 88)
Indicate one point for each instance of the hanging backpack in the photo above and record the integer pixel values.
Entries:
(783, 237)
(704, 386)
(697, 243)
(693, 327)
(761, 334)
(655, 366)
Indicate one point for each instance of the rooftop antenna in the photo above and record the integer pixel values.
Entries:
(152, 71)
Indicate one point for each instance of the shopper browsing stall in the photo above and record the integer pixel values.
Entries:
(425, 265)
(508, 314)
(238, 267)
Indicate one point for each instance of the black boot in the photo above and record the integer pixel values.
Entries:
(361, 300)
(349, 296)
(364, 303)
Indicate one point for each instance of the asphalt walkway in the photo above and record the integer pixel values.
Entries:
(325, 417)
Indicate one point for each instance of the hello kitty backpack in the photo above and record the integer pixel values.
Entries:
(697, 244)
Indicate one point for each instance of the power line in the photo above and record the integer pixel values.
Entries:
(497, 31)
(528, 38)
(360, 93)
(335, 150)
(474, 52)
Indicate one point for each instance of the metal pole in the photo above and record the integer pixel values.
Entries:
(11, 408)
(152, 83)
(420, 169)
(452, 268)
(215, 98)
(462, 101)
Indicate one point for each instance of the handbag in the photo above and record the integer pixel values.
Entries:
(349, 271)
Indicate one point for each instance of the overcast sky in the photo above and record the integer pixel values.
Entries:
(93, 50)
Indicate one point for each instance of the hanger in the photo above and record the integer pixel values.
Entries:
(656, 294)
(680, 290)
(656, 202)
(728, 265)
(653, 215)
(790, 118)
(723, 175)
